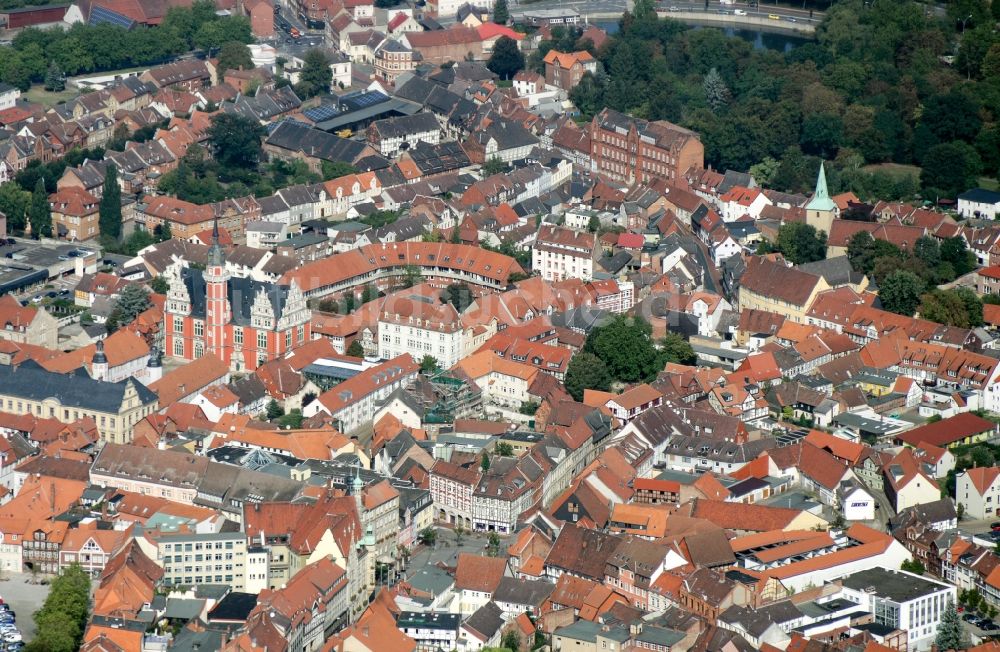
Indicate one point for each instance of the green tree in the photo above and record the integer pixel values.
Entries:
(594, 224)
(429, 364)
(927, 249)
(159, 285)
(63, 616)
(677, 350)
(459, 295)
(503, 449)
(494, 166)
(55, 80)
(316, 74)
(493, 544)
(427, 536)
(914, 566)
(624, 344)
(235, 141)
(274, 410)
(133, 300)
(716, 92)
(586, 371)
(951, 634)
(861, 252)
(763, 172)
(234, 55)
(291, 420)
(511, 641)
(412, 275)
(950, 169)
(528, 408)
(484, 462)
(369, 293)
(900, 292)
(801, 243)
(14, 202)
(356, 350)
(956, 252)
(162, 232)
(38, 212)
(110, 209)
(507, 58)
(501, 14)
(336, 169)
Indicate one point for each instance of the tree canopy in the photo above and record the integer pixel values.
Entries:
(316, 75)
(63, 617)
(586, 371)
(84, 48)
(235, 140)
(507, 58)
(626, 347)
(110, 209)
(870, 90)
(900, 292)
(801, 243)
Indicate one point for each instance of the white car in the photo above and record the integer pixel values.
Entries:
(12, 637)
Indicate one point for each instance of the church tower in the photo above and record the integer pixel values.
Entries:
(99, 363)
(217, 309)
(821, 210)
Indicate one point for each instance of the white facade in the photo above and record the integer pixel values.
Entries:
(979, 206)
(419, 339)
(858, 505)
(8, 97)
(919, 615)
(978, 505)
(193, 559)
(557, 260)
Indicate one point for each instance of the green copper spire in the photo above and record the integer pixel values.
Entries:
(821, 198)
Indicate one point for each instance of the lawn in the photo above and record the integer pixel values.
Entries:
(41, 96)
(897, 170)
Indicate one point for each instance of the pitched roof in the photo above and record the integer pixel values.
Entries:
(479, 573)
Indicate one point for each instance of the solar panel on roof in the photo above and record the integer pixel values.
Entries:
(322, 112)
(100, 15)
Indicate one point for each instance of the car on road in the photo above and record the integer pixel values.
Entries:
(774, 16)
(674, 8)
(740, 12)
(790, 19)
(970, 618)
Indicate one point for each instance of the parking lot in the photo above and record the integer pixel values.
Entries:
(25, 599)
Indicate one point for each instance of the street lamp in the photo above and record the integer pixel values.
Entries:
(964, 21)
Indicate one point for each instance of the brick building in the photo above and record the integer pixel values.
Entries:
(245, 323)
(75, 214)
(630, 149)
(565, 69)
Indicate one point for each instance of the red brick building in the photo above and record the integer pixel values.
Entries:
(630, 149)
(245, 323)
(565, 69)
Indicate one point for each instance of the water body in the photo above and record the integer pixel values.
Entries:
(760, 39)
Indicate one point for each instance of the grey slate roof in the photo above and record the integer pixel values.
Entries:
(297, 137)
(77, 389)
(487, 620)
(242, 292)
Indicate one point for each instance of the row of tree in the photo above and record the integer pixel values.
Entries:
(84, 48)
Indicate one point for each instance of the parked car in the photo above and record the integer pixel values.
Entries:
(970, 618)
